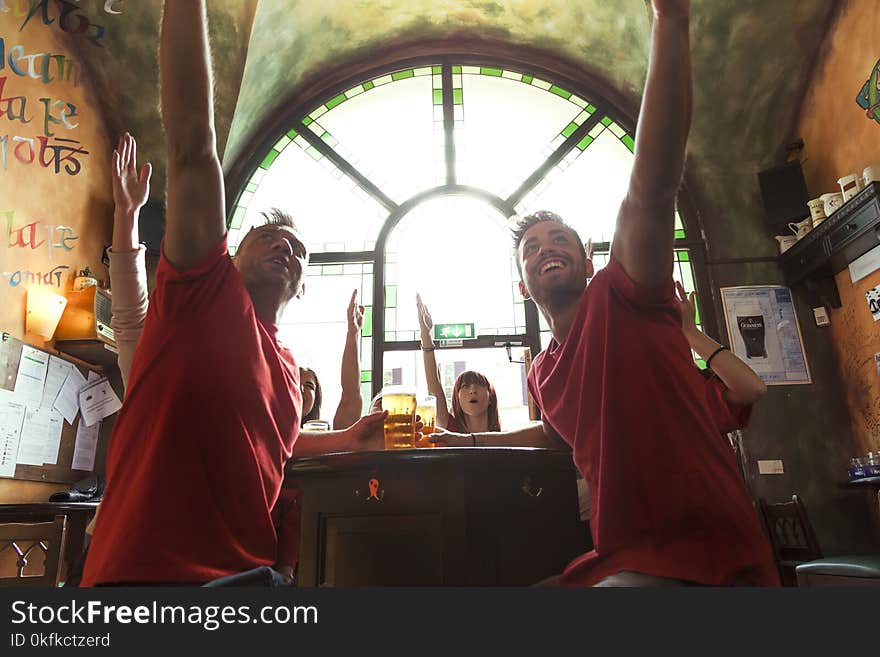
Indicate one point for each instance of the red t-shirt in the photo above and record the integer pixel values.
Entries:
(196, 459)
(666, 496)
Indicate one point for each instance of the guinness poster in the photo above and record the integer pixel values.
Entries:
(763, 330)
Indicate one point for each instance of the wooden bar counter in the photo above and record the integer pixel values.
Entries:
(483, 516)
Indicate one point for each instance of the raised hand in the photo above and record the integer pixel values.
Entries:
(588, 247)
(130, 187)
(426, 322)
(355, 314)
(688, 309)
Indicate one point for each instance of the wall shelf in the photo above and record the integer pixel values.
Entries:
(828, 249)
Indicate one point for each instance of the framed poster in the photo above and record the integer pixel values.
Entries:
(763, 331)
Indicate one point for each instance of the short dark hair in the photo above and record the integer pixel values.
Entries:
(315, 413)
(519, 231)
(274, 217)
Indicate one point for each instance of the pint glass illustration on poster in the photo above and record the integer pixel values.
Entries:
(763, 331)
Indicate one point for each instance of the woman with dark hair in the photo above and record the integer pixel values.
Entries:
(311, 395)
(474, 402)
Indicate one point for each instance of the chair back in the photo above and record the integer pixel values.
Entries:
(791, 535)
(24, 545)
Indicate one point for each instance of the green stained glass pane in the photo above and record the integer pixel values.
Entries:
(307, 121)
(679, 234)
(456, 69)
(292, 134)
(700, 363)
(569, 130)
(527, 79)
(697, 315)
(237, 217)
(591, 108)
(391, 296)
(368, 85)
(438, 96)
(367, 330)
(436, 70)
(683, 256)
(336, 100)
(586, 141)
(232, 250)
(366, 376)
(269, 159)
(390, 336)
(250, 187)
(402, 75)
(630, 142)
(457, 97)
(559, 91)
(329, 139)
(314, 153)
(494, 72)
(606, 121)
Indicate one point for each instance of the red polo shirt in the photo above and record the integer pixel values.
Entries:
(666, 496)
(195, 462)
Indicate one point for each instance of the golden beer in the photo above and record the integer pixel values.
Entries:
(427, 410)
(400, 421)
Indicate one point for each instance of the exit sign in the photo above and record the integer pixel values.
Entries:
(454, 332)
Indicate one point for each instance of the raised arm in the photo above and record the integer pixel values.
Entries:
(128, 272)
(195, 212)
(432, 375)
(743, 385)
(351, 403)
(643, 238)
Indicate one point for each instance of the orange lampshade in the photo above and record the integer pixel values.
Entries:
(44, 309)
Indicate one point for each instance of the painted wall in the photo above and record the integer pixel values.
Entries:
(841, 139)
(55, 200)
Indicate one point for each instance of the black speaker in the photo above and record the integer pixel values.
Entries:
(785, 196)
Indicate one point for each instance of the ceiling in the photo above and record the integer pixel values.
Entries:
(751, 59)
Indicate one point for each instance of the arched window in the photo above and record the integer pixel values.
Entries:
(405, 182)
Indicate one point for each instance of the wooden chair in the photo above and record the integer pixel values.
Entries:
(23, 544)
(799, 557)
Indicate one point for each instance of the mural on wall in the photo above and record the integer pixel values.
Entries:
(869, 97)
(40, 116)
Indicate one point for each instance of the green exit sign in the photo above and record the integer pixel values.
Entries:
(454, 332)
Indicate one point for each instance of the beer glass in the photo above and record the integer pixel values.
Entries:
(751, 324)
(400, 402)
(427, 409)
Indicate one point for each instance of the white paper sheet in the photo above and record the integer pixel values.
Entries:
(86, 446)
(54, 423)
(11, 418)
(93, 376)
(31, 376)
(865, 265)
(55, 377)
(35, 436)
(97, 401)
(67, 402)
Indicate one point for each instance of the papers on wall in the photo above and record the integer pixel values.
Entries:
(55, 376)
(11, 418)
(86, 446)
(32, 369)
(865, 264)
(873, 296)
(67, 401)
(764, 332)
(97, 400)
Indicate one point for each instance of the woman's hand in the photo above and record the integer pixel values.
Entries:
(426, 322)
(688, 310)
(130, 188)
(355, 314)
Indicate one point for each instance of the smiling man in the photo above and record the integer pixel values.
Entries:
(213, 404)
(617, 382)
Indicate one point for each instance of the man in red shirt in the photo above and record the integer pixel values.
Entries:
(213, 402)
(617, 382)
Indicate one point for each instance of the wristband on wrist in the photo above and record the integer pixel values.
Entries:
(715, 353)
(427, 348)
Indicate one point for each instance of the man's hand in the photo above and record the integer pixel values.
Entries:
(688, 310)
(588, 247)
(355, 314)
(671, 8)
(286, 572)
(130, 188)
(367, 434)
(443, 438)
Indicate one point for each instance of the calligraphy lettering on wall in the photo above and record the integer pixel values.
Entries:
(47, 149)
(65, 16)
(25, 277)
(36, 234)
(869, 97)
(44, 66)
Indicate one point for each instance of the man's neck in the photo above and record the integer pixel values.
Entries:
(268, 304)
(560, 313)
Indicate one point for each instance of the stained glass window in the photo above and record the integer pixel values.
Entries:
(406, 181)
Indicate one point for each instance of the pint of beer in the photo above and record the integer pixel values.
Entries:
(750, 322)
(427, 410)
(400, 402)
